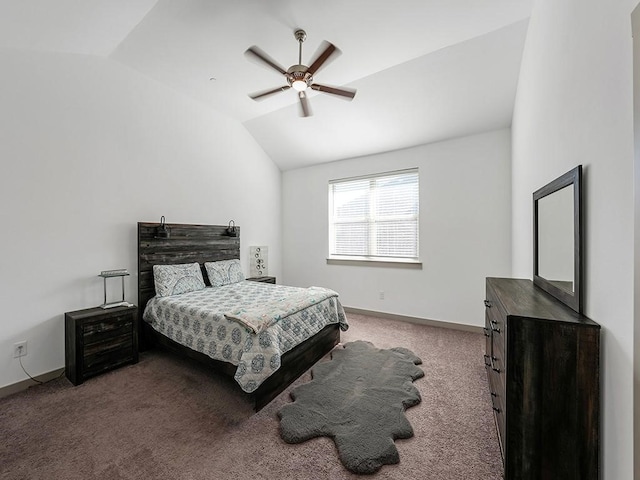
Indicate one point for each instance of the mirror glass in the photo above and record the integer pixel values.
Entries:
(555, 238)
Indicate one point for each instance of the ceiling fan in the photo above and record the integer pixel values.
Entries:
(300, 77)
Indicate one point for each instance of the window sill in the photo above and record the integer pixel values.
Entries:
(376, 262)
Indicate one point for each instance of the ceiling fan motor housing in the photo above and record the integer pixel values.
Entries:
(299, 73)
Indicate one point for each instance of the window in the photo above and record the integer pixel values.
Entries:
(374, 217)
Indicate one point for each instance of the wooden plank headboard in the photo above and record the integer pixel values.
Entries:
(187, 243)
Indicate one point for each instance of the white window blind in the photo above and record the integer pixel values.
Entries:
(375, 216)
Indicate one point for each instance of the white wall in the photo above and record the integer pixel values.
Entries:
(635, 20)
(88, 148)
(574, 106)
(465, 197)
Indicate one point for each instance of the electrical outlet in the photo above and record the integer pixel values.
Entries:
(20, 349)
(381, 295)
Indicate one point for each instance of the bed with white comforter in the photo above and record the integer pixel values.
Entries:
(249, 324)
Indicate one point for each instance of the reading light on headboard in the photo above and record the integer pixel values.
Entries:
(162, 231)
(231, 229)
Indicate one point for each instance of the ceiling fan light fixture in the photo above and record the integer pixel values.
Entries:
(299, 85)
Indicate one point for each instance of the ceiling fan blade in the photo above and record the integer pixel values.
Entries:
(265, 93)
(305, 108)
(347, 93)
(327, 51)
(256, 53)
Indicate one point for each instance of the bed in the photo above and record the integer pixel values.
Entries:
(225, 325)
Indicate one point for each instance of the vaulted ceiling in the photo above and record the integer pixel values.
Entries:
(425, 70)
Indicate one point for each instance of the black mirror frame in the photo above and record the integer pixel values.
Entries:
(573, 300)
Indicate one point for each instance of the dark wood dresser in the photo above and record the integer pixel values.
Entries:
(98, 340)
(542, 360)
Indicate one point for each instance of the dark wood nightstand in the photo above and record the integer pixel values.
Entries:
(263, 279)
(97, 340)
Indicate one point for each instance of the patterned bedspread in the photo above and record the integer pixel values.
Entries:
(269, 321)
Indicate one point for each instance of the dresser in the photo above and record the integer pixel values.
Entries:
(542, 362)
(98, 340)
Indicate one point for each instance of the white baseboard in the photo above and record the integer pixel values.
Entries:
(420, 321)
(24, 384)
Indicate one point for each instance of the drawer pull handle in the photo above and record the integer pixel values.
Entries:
(487, 303)
(487, 361)
(497, 370)
(494, 394)
(496, 409)
(493, 329)
(487, 332)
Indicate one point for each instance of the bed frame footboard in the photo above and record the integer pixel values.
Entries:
(293, 363)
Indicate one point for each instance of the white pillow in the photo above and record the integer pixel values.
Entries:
(224, 272)
(176, 279)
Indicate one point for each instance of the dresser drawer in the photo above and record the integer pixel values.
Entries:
(498, 363)
(496, 326)
(497, 391)
(495, 303)
(496, 387)
(499, 415)
(487, 333)
(497, 323)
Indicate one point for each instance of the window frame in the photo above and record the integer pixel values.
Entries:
(371, 220)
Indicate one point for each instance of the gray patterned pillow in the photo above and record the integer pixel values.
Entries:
(224, 272)
(176, 279)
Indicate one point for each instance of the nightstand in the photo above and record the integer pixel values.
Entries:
(97, 340)
(263, 279)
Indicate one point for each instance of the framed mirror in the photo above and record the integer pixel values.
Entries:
(557, 238)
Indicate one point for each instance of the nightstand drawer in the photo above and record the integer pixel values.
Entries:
(104, 329)
(263, 279)
(109, 344)
(104, 360)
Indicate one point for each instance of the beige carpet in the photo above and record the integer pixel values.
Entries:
(167, 418)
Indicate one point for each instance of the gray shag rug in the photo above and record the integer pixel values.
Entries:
(358, 398)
